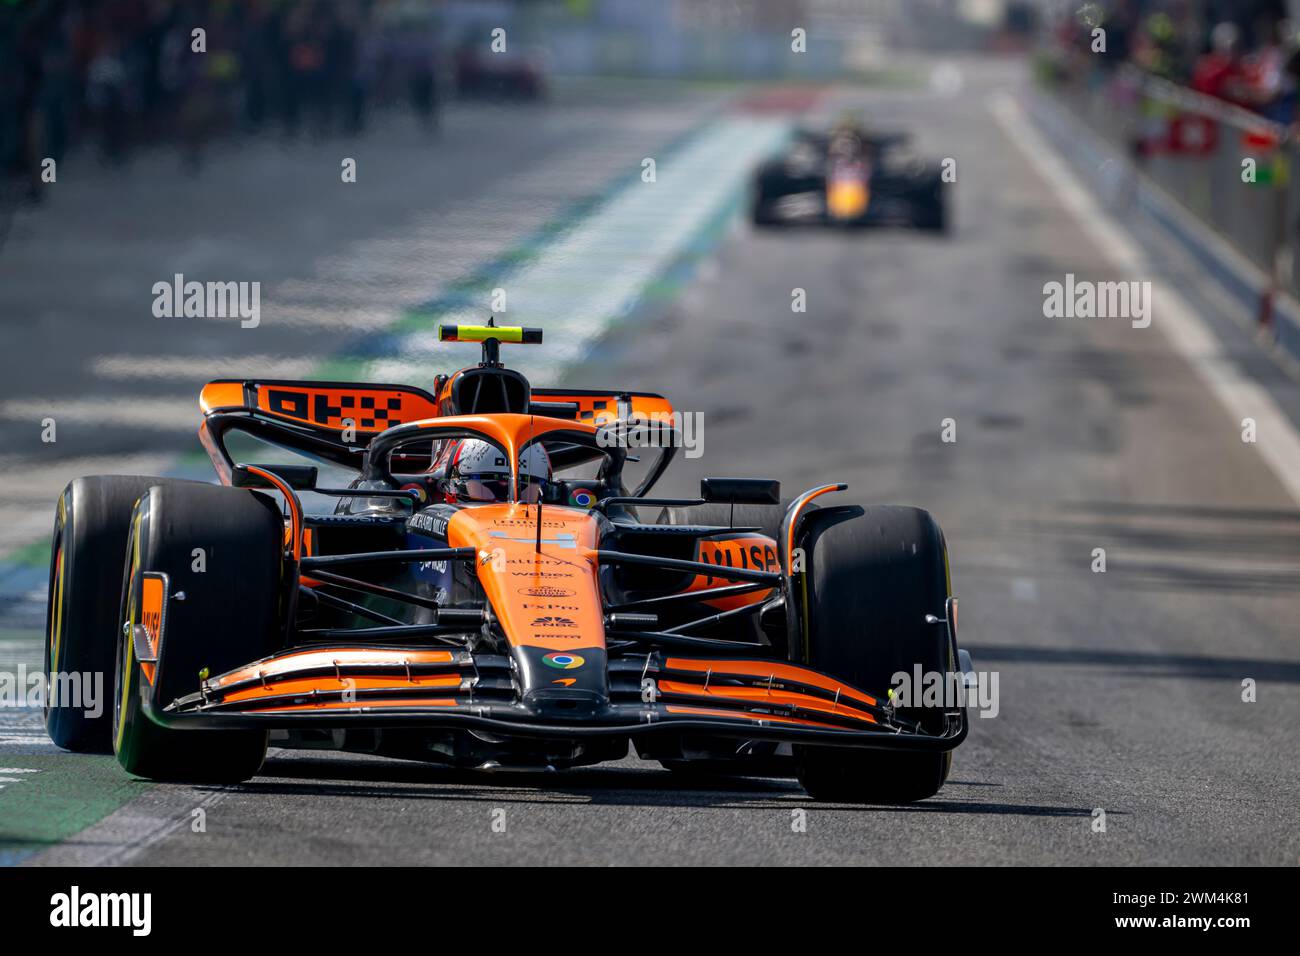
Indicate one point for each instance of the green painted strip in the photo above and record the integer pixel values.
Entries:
(69, 793)
(7, 636)
(33, 555)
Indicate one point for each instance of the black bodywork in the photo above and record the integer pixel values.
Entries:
(903, 189)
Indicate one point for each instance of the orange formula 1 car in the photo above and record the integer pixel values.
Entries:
(487, 592)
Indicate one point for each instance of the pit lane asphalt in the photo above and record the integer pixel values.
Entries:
(1118, 691)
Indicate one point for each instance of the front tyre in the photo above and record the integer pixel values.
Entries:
(222, 547)
(872, 575)
(930, 209)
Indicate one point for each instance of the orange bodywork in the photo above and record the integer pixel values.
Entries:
(794, 520)
(603, 409)
(753, 551)
(295, 526)
(548, 598)
(773, 670)
(218, 395)
(366, 409)
(308, 685)
(688, 711)
(509, 431)
(151, 611)
(266, 672)
(382, 703)
(749, 696)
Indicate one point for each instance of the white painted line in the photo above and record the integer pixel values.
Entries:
(147, 412)
(133, 828)
(31, 487)
(8, 770)
(1025, 589)
(201, 368)
(1243, 271)
(1277, 440)
(594, 273)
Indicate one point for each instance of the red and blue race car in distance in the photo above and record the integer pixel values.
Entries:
(850, 176)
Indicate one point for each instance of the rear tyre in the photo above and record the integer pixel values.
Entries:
(766, 191)
(760, 213)
(931, 209)
(872, 575)
(87, 557)
(229, 617)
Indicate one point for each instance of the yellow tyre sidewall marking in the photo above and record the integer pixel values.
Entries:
(128, 666)
(56, 626)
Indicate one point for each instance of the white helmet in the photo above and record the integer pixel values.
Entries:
(479, 471)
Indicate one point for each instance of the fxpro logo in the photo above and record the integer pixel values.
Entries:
(75, 909)
(1098, 300)
(208, 300)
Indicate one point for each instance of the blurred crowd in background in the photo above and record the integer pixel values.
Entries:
(111, 77)
(118, 73)
(1245, 52)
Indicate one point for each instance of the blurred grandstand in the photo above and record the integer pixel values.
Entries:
(1200, 96)
(1243, 52)
(117, 75)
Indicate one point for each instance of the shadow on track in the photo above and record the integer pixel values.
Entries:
(1140, 664)
(351, 778)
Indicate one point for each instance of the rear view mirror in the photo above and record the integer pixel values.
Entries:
(741, 491)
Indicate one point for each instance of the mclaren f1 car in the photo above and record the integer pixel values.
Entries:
(486, 592)
(849, 176)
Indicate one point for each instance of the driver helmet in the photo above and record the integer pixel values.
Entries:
(480, 472)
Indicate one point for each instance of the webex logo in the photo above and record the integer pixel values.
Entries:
(76, 909)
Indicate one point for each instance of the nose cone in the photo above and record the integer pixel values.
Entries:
(846, 198)
(560, 684)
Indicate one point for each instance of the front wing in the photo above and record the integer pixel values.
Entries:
(658, 692)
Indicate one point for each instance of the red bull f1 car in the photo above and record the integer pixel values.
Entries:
(486, 592)
(851, 177)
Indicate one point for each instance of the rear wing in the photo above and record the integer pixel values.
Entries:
(596, 406)
(334, 421)
(329, 406)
